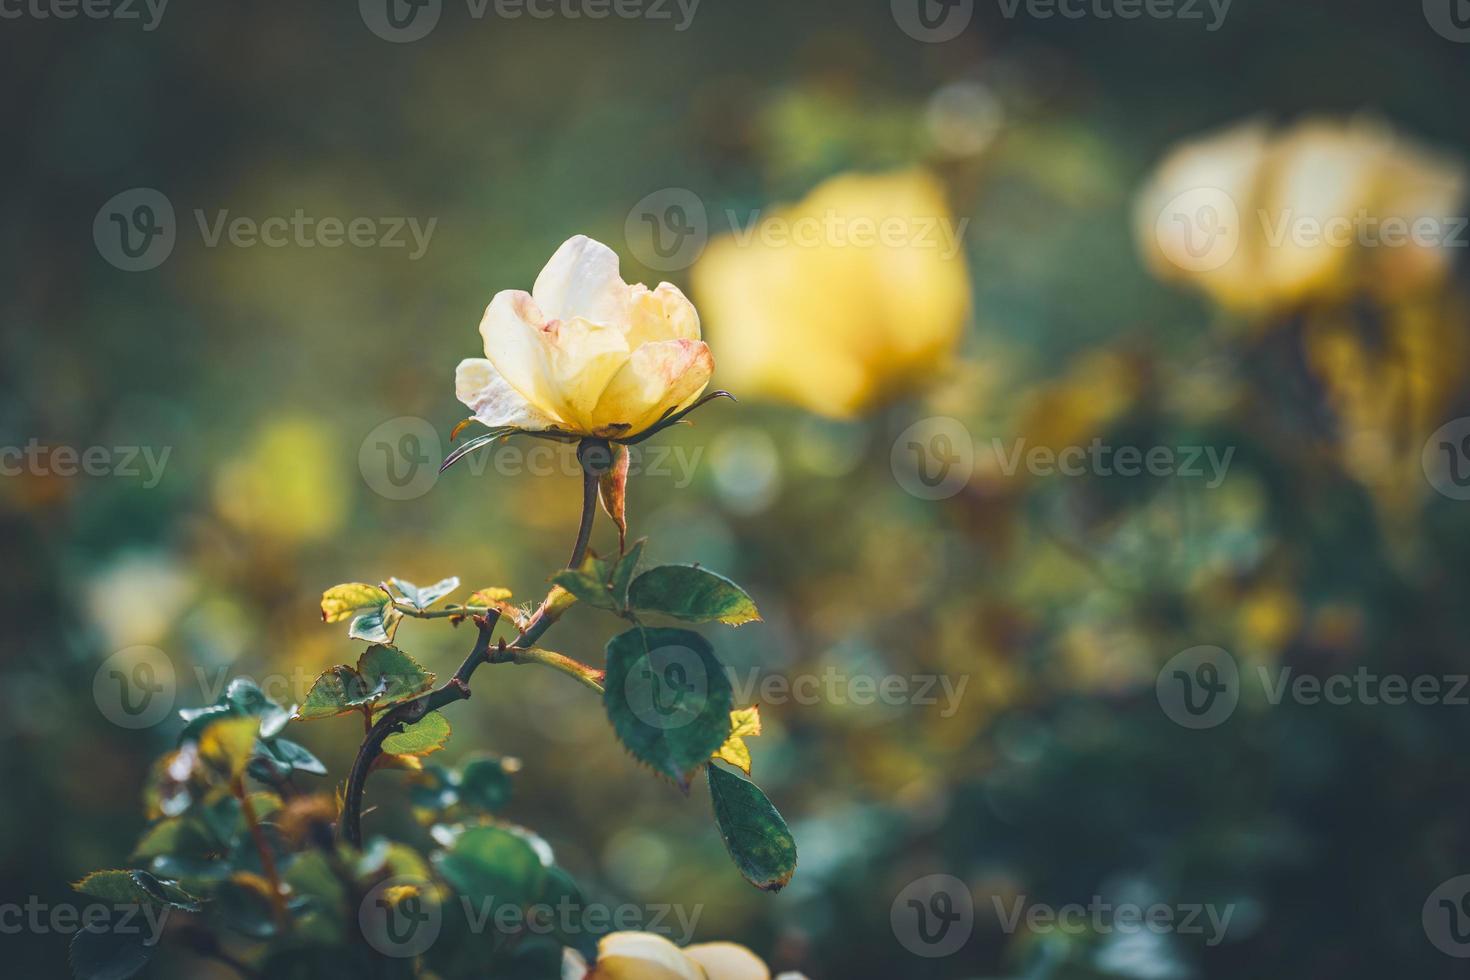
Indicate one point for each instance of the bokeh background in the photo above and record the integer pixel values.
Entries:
(269, 374)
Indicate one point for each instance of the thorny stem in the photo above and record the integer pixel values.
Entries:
(457, 688)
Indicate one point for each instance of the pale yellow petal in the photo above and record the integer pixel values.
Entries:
(582, 358)
(727, 961)
(514, 332)
(1320, 174)
(642, 956)
(582, 280)
(1196, 218)
(658, 377)
(493, 401)
(664, 313)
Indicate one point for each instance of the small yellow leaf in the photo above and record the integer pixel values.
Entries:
(228, 745)
(488, 597)
(558, 601)
(743, 722)
(746, 721)
(342, 602)
(388, 760)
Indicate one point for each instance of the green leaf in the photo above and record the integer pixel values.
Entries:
(569, 927)
(494, 864)
(133, 887)
(668, 699)
(108, 953)
(377, 625)
(691, 593)
(426, 735)
(482, 784)
(384, 675)
(422, 599)
(164, 837)
(342, 602)
(280, 757)
(241, 698)
(622, 573)
(485, 784)
(392, 675)
(590, 583)
(336, 691)
(756, 836)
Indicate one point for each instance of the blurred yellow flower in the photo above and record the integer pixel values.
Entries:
(584, 352)
(1266, 221)
(852, 297)
(283, 485)
(648, 956)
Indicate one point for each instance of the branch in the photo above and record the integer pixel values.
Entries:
(457, 688)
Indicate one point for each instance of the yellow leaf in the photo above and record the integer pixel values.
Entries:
(342, 602)
(388, 760)
(227, 745)
(743, 722)
(489, 597)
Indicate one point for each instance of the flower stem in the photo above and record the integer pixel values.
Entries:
(589, 497)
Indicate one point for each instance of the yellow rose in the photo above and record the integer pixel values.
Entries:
(852, 297)
(647, 956)
(584, 352)
(1264, 222)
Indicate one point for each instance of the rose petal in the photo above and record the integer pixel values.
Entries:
(664, 313)
(582, 357)
(582, 280)
(658, 377)
(642, 956)
(727, 961)
(514, 333)
(493, 400)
